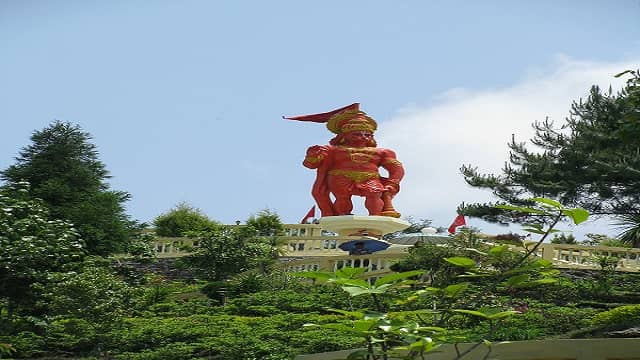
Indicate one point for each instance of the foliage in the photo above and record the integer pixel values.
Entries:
(619, 317)
(225, 251)
(603, 240)
(33, 246)
(93, 293)
(182, 219)
(267, 223)
(539, 320)
(428, 257)
(384, 334)
(63, 169)
(630, 226)
(224, 337)
(563, 239)
(141, 246)
(591, 161)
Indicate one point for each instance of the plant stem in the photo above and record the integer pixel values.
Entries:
(546, 234)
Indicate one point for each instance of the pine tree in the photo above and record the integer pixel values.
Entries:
(63, 169)
(591, 161)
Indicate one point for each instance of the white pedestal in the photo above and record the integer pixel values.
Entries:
(360, 225)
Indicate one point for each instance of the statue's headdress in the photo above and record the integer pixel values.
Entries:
(343, 120)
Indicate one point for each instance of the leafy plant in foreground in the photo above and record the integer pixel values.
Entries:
(384, 335)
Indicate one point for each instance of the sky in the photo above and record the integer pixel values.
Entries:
(184, 99)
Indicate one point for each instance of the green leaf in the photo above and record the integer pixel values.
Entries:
(365, 325)
(397, 276)
(472, 313)
(548, 202)
(456, 289)
(516, 280)
(543, 263)
(461, 261)
(352, 282)
(534, 231)
(356, 291)
(497, 250)
(578, 215)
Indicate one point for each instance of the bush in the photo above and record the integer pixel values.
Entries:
(618, 318)
(71, 335)
(183, 218)
(27, 344)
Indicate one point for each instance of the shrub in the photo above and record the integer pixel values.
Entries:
(27, 344)
(71, 335)
(618, 318)
(183, 218)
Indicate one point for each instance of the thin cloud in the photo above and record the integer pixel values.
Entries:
(473, 126)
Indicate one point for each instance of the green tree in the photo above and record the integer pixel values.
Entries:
(224, 251)
(591, 161)
(182, 219)
(63, 169)
(267, 223)
(630, 226)
(33, 246)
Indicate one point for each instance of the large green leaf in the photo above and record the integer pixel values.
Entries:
(578, 215)
(356, 291)
(498, 250)
(517, 280)
(397, 276)
(352, 282)
(456, 289)
(549, 202)
(472, 313)
(464, 262)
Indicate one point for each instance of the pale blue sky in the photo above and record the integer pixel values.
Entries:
(184, 98)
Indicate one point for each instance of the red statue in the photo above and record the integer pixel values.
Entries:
(349, 164)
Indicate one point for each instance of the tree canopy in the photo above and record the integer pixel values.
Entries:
(181, 219)
(62, 167)
(591, 161)
(33, 246)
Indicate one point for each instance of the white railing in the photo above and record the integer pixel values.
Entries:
(587, 257)
(311, 246)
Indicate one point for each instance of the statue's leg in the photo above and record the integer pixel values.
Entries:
(343, 204)
(373, 202)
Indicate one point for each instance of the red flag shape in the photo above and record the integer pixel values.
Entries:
(458, 221)
(310, 215)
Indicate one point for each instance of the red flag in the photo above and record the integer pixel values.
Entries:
(458, 221)
(310, 215)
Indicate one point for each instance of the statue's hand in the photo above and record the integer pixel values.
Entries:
(391, 186)
(317, 150)
(315, 155)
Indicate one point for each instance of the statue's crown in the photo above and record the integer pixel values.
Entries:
(343, 120)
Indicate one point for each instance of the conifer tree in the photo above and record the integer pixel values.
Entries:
(591, 161)
(62, 167)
